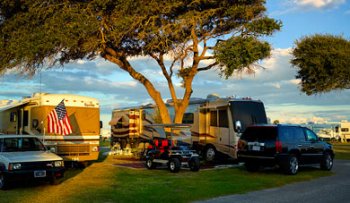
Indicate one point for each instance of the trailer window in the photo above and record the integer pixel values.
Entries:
(345, 129)
(223, 119)
(188, 118)
(213, 119)
(25, 118)
(119, 123)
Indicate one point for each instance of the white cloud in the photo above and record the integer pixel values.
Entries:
(319, 4)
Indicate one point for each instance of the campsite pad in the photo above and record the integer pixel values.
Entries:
(133, 163)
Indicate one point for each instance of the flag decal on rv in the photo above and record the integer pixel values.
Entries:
(58, 121)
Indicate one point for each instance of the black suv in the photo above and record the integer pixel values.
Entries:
(286, 146)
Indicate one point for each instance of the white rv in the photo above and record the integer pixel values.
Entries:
(216, 124)
(29, 116)
(343, 130)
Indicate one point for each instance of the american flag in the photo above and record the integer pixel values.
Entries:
(58, 121)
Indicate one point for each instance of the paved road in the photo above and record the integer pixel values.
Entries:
(334, 188)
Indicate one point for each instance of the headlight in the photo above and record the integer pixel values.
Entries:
(58, 163)
(15, 166)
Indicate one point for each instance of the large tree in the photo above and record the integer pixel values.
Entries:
(323, 63)
(37, 34)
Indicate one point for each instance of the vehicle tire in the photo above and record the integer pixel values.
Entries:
(174, 165)
(292, 165)
(150, 164)
(251, 167)
(209, 153)
(194, 164)
(54, 180)
(3, 182)
(326, 162)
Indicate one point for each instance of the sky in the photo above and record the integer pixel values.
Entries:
(275, 85)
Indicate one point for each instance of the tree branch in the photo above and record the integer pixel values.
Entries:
(207, 67)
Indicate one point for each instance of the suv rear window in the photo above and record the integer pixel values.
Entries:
(260, 133)
(291, 134)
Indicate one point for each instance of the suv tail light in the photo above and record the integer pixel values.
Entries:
(278, 145)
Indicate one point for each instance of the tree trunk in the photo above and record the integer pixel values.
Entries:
(155, 95)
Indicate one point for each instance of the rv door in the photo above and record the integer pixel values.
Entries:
(219, 128)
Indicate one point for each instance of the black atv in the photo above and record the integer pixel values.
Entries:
(171, 145)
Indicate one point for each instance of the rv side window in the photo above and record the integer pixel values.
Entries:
(119, 123)
(345, 129)
(223, 119)
(25, 118)
(1, 141)
(187, 118)
(213, 119)
(13, 117)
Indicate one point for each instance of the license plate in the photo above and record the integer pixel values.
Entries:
(39, 174)
(256, 148)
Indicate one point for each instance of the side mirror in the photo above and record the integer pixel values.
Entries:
(238, 126)
(101, 124)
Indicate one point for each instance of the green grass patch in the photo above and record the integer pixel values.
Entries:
(342, 150)
(105, 182)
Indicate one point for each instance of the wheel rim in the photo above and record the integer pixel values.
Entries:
(329, 162)
(210, 154)
(294, 165)
(172, 166)
(1, 181)
(149, 163)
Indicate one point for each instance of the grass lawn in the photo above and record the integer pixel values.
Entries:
(342, 150)
(104, 182)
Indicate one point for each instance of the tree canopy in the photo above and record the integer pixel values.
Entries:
(223, 33)
(323, 63)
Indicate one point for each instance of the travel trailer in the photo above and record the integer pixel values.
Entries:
(127, 126)
(30, 116)
(216, 124)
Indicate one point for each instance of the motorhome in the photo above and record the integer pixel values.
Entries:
(343, 130)
(30, 116)
(216, 123)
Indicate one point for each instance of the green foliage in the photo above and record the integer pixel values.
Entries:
(238, 53)
(323, 63)
(36, 34)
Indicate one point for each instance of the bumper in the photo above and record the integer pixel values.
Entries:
(21, 175)
(263, 160)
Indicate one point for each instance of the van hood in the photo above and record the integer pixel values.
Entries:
(30, 156)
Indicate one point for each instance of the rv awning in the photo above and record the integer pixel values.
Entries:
(12, 105)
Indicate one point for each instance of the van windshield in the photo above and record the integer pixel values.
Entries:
(248, 113)
(20, 144)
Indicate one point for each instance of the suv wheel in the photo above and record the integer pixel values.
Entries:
(251, 167)
(174, 165)
(292, 165)
(327, 162)
(194, 164)
(3, 182)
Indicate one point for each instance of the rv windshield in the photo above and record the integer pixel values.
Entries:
(21, 144)
(248, 113)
